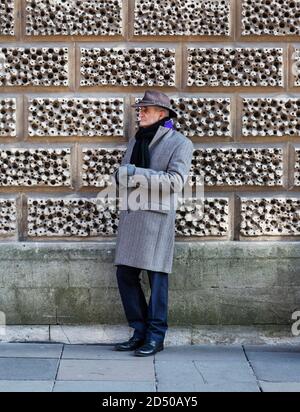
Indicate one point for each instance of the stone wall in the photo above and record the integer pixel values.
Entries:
(69, 71)
(214, 283)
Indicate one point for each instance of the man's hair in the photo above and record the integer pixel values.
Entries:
(166, 111)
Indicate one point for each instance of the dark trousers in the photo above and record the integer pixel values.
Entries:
(149, 322)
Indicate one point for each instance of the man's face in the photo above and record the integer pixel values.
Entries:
(150, 114)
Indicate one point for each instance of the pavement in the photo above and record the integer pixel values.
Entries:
(58, 367)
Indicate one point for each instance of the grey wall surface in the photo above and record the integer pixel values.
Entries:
(213, 283)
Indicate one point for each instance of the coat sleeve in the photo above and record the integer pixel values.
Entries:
(177, 172)
(115, 174)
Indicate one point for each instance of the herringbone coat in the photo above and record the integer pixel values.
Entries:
(146, 236)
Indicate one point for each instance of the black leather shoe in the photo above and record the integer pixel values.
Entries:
(149, 348)
(131, 344)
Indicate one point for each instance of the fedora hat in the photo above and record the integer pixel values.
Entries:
(154, 98)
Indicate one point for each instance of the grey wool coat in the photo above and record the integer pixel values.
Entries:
(146, 234)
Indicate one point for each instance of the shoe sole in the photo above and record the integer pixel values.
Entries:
(148, 354)
(126, 349)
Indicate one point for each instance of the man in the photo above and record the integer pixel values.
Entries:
(158, 156)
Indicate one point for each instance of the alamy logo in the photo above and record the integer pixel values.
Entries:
(2, 324)
(296, 325)
(157, 191)
(2, 65)
(296, 62)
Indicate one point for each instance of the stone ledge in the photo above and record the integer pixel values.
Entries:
(212, 283)
(204, 248)
(175, 336)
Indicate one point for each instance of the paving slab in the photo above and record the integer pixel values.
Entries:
(192, 374)
(229, 387)
(26, 386)
(224, 371)
(103, 386)
(30, 350)
(275, 366)
(280, 386)
(202, 352)
(28, 369)
(179, 374)
(98, 352)
(273, 348)
(44, 367)
(93, 370)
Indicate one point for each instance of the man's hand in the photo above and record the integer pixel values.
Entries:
(128, 169)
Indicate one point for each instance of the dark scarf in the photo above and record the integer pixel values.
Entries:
(140, 153)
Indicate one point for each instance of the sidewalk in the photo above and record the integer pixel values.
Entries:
(60, 367)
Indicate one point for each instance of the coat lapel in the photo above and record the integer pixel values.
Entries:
(161, 132)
